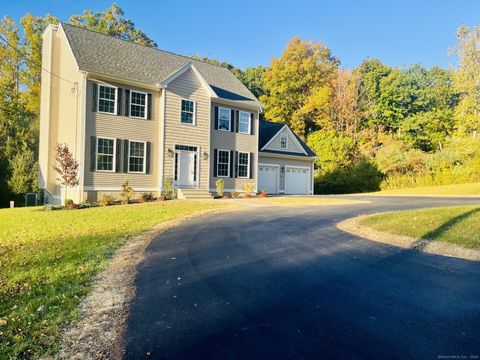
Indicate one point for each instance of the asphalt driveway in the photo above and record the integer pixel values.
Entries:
(284, 283)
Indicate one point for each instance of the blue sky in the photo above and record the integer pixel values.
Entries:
(248, 33)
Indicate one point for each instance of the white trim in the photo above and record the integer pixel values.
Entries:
(229, 165)
(238, 164)
(130, 104)
(230, 117)
(196, 183)
(279, 155)
(312, 179)
(96, 77)
(83, 130)
(184, 69)
(294, 167)
(278, 175)
(249, 122)
(114, 101)
(194, 114)
(292, 135)
(144, 157)
(114, 154)
(107, 188)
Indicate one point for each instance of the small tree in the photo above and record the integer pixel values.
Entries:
(127, 192)
(66, 167)
(220, 186)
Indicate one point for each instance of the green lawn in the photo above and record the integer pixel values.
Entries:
(472, 189)
(48, 257)
(458, 225)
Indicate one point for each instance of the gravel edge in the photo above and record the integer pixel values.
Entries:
(352, 226)
(104, 312)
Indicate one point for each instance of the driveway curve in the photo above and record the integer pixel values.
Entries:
(285, 283)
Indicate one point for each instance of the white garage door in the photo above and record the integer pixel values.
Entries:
(297, 181)
(268, 178)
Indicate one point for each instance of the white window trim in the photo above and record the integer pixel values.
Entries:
(114, 101)
(228, 167)
(194, 116)
(144, 157)
(114, 155)
(229, 117)
(130, 104)
(248, 164)
(284, 136)
(249, 122)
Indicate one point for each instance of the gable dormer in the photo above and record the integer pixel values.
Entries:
(284, 141)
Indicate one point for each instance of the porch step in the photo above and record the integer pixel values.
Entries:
(190, 194)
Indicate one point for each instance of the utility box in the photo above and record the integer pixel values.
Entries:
(31, 199)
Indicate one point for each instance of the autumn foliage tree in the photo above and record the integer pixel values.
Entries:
(66, 167)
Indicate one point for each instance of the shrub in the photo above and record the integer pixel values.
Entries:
(263, 193)
(220, 186)
(248, 187)
(235, 194)
(147, 197)
(168, 190)
(107, 200)
(68, 202)
(127, 192)
(85, 205)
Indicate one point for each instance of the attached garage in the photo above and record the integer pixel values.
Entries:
(269, 178)
(297, 180)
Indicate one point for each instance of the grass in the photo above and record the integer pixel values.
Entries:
(299, 201)
(472, 189)
(457, 225)
(47, 259)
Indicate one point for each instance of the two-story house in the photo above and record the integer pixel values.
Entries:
(132, 112)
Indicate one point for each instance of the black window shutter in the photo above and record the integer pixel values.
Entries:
(125, 156)
(215, 151)
(127, 103)
(118, 156)
(216, 120)
(237, 120)
(119, 101)
(231, 163)
(251, 165)
(252, 124)
(149, 107)
(232, 120)
(94, 96)
(147, 161)
(93, 153)
(236, 163)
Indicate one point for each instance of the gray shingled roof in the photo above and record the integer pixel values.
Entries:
(103, 54)
(269, 129)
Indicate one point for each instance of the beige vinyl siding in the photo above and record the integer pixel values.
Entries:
(292, 145)
(265, 160)
(235, 141)
(125, 128)
(60, 113)
(187, 86)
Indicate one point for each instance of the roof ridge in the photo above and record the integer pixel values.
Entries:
(144, 46)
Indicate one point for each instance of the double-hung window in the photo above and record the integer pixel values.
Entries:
(105, 154)
(243, 165)
(284, 141)
(244, 122)
(224, 119)
(107, 99)
(138, 104)
(136, 156)
(223, 163)
(187, 114)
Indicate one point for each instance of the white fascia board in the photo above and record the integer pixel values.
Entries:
(183, 70)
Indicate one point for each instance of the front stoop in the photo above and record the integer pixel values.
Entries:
(194, 194)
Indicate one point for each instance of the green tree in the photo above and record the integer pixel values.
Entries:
(333, 148)
(298, 86)
(24, 173)
(112, 22)
(467, 79)
(253, 78)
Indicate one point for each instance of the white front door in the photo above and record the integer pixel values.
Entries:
(297, 180)
(268, 178)
(186, 168)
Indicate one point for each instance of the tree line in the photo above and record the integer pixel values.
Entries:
(373, 126)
